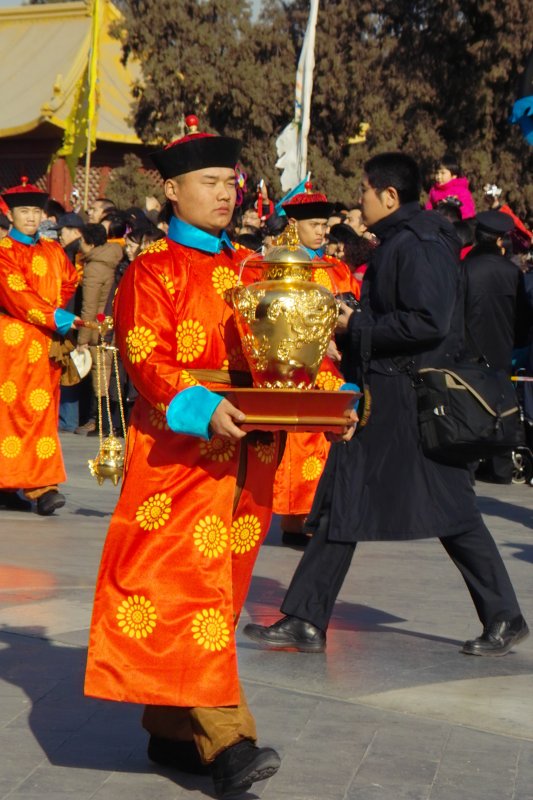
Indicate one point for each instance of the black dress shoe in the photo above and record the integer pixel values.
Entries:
(50, 502)
(182, 756)
(295, 539)
(288, 633)
(235, 769)
(497, 639)
(13, 502)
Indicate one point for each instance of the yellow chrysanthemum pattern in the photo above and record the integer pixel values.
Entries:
(187, 378)
(136, 617)
(167, 283)
(311, 468)
(245, 533)
(16, 282)
(159, 246)
(154, 513)
(8, 392)
(13, 333)
(39, 399)
(39, 266)
(210, 536)
(158, 417)
(210, 630)
(218, 449)
(321, 276)
(328, 382)
(224, 280)
(36, 317)
(265, 452)
(140, 341)
(191, 340)
(11, 446)
(6, 242)
(46, 447)
(35, 351)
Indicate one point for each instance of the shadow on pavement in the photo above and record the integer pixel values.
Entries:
(75, 731)
(493, 507)
(266, 595)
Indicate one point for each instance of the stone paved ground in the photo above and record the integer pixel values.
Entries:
(392, 711)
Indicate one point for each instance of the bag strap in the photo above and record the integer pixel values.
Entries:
(481, 400)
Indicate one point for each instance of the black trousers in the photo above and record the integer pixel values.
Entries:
(320, 574)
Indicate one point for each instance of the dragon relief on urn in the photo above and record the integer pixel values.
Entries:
(286, 320)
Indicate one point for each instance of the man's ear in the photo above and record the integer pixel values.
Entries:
(391, 199)
(171, 189)
(9, 215)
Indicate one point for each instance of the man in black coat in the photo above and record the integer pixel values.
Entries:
(380, 485)
(496, 310)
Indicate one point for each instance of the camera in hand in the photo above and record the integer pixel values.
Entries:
(349, 298)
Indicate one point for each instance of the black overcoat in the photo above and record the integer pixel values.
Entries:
(380, 485)
(495, 305)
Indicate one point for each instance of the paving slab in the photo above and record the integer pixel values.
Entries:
(392, 710)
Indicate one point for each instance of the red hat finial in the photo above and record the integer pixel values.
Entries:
(308, 187)
(191, 121)
(24, 180)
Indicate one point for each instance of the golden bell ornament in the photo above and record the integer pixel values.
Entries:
(286, 320)
(109, 463)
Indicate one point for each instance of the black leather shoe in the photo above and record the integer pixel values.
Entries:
(497, 639)
(13, 502)
(50, 502)
(295, 539)
(235, 769)
(288, 633)
(182, 756)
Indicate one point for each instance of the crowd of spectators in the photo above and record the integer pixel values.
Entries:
(104, 240)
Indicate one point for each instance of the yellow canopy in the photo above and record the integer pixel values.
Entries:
(44, 51)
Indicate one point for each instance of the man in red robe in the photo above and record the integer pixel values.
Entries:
(197, 495)
(305, 454)
(36, 281)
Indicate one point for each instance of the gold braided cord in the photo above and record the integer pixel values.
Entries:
(119, 392)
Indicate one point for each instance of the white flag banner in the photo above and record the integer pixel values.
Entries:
(291, 144)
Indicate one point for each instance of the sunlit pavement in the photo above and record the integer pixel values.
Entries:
(392, 710)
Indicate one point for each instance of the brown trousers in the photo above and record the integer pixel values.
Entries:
(211, 729)
(34, 494)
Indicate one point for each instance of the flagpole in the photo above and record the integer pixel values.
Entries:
(91, 105)
(305, 75)
(291, 144)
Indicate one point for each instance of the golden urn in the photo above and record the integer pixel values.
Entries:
(109, 463)
(286, 320)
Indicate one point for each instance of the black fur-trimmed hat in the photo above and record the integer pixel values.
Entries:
(308, 205)
(196, 151)
(24, 195)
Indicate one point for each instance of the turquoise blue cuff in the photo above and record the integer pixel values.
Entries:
(353, 387)
(63, 320)
(191, 410)
(350, 387)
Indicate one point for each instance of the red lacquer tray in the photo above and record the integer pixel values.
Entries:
(292, 409)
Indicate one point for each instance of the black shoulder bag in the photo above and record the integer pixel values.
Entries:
(466, 411)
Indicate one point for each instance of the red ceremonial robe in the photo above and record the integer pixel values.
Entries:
(192, 513)
(35, 280)
(306, 453)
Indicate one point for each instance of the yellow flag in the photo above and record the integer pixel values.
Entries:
(80, 130)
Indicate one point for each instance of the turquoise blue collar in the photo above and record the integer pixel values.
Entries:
(22, 238)
(315, 253)
(183, 233)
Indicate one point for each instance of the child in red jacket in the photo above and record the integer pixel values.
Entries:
(449, 183)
